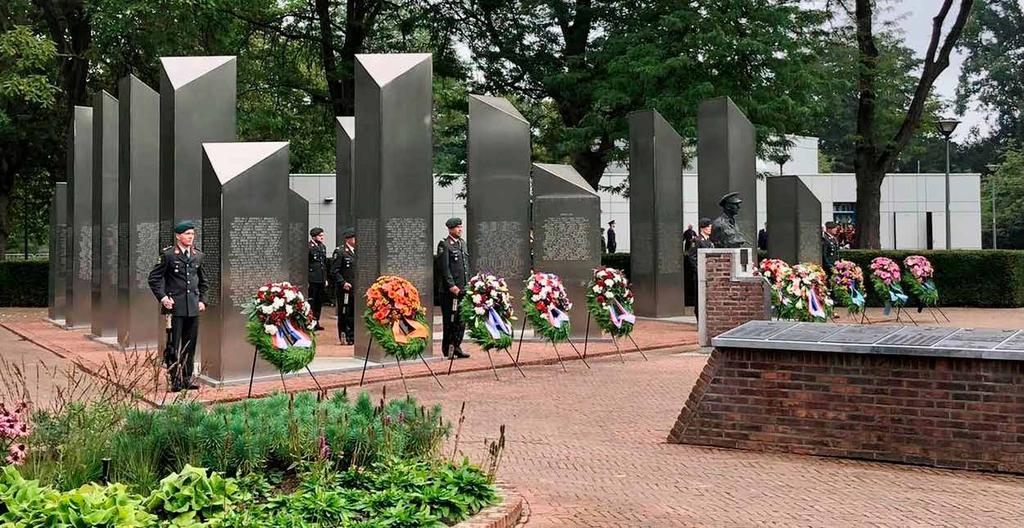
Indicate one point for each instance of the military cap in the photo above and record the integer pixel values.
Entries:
(348, 232)
(611, 222)
(183, 226)
(704, 222)
(453, 222)
(830, 225)
(315, 231)
(733, 197)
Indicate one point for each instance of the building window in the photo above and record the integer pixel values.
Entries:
(844, 212)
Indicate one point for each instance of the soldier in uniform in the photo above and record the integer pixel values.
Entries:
(724, 233)
(179, 283)
(343, 273)
(829, 247)
(317, 272)
(454, 275)
(702, 240)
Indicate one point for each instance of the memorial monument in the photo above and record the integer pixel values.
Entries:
(394, 182)
(344, 136)
(104, 215)
(566, 227)
(655, 215)
(726, 161)
(498, 189)
(794, 221)
(725, 233)
(79, 293)
(138, 212)
(245, 217)
(197, 105)
(57, 286)
(298, 237)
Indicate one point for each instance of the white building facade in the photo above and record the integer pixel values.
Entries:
(912, 207)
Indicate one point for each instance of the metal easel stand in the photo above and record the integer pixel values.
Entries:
(252, 375)
(366, 361)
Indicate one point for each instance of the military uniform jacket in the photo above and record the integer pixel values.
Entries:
(454, 262)
(343, 269)
(317, 262)
(181, 278)
(829, 252)
(691, 255)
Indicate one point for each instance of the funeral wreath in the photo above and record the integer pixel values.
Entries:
(486, 308)
(547, 306)
(396, 318)
(610, 301)
(280, 326)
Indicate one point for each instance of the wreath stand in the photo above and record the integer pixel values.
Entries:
(252, 375)
(366, 362)
(933, 309)
(899, 311)
(515, 360)
(615, 341)
(553, 345)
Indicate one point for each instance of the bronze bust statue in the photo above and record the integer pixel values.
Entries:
(724, 233)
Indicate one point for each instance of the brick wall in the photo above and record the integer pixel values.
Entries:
(944, 412)
(729, 295)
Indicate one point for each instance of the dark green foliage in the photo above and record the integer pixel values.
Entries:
(984, 278)
(23, 282)
(385, 337)
(619, 261)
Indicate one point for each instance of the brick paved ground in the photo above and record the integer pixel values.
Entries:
(588, 448)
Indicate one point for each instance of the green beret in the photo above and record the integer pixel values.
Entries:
(453, 222)
(704, 222)
(315, 231)
(183, 226)
(348, 232)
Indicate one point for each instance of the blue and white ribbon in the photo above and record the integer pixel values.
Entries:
(557, 317)
(857, 296)
(814, 305)
(619, 314)
(495, 325)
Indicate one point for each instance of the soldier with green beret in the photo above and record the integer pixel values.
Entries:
(454, 276)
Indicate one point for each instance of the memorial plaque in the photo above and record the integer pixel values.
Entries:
(58, 279)
(393, 177)
(726, 162)
(344, 165)
(976, 339)
(807, 332)
(918, 336)
(655, 215)
(566, 219)
(757, 330)
(794, 221)
(105, 311)
(1016, 342)
(79, 293)
(861, 334)
(138, 212)
(197, 105)
(498, 190)
(298, 240)
(246, 217)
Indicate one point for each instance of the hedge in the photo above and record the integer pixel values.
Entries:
(619, 261)
(24, 282)
(986, 278)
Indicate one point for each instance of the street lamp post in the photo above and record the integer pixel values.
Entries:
(992, 191)
(946, 127)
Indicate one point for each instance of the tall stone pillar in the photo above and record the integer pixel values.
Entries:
(58, 278)
(567, 236)
(245, 217)
(655, 215)
(197, 105)
(794, 221)
(138, 212)
(726, 162)
(298, 241)
(344, 137)
(394, 182)
(104, 215)
(79, 291)
(498, 190)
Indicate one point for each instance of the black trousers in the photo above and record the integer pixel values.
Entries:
(183, 338)
(690, 290)
(317, 295)
(453, 326)
(346, 315)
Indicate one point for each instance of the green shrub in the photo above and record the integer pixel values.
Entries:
(984, 278)
(193, 496)
(618, 261)
(24, 282)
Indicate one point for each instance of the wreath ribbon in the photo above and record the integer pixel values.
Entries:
(619, 315)
(813, 305)
(405, 329)
(495, 325)
(857, 296)
(557, 317)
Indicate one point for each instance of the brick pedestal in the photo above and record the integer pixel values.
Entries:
(952, 412)
(728, 292)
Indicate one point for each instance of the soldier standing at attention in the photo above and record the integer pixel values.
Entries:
(317, 272)
(829, 247)
(343, 273)
(612, 243)
(179, 283)
(455, 275)
(701, 241)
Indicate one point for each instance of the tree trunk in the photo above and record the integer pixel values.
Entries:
(591, 165)
(869, 197)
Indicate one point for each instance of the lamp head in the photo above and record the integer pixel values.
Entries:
(946, 126)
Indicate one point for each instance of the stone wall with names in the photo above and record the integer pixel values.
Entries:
(407, 246)
(254, 256)
(146, 247)
(567, 238)
(211, 259)
(500, 246)
(84, 270)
